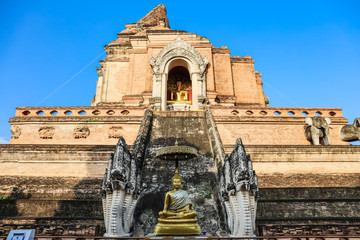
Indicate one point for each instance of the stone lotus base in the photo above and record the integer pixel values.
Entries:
(177, 227)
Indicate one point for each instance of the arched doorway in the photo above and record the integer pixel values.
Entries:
(179, 89)
(178, 59)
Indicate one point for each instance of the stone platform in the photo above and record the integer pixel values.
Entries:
(202, 236)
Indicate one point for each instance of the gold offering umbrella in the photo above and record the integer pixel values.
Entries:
(176, 153)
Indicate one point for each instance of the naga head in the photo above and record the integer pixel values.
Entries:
(119, 178)
(119, 174)
(241, 175)
(241, 179)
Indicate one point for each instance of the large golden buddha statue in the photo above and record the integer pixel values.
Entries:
(177, 218)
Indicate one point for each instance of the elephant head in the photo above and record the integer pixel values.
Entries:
(318, 129)
(357, 122)
(351, 132)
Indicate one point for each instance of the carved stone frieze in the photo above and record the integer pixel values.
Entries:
(115, 132)
(46, 132)
(81, 132)
(16, 132)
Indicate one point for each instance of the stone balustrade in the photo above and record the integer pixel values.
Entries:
(139, 111)
(277, 112)
(79, 111)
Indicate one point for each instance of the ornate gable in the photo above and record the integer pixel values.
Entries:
(180, 48)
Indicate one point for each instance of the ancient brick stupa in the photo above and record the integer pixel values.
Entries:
(157, 87)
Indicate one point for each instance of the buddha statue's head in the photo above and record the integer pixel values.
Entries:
(179, 85)
(176, 180)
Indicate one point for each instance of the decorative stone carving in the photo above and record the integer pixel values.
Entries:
(115, 132)
(100, 71)
(118, 202)
(122, 182)
(351, 132)
(318, 130)
(15, 131)
(154, 65)
(239, 191)
(179, 47)
(81, 132)
(46, 132)
(267, 101)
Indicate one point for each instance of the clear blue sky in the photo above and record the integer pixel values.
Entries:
(307, 51)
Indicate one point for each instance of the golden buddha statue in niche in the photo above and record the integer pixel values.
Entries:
(177, 218)
(179, 95)
(179, 90)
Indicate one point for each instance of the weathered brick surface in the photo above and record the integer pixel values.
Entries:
(72, 206)
(310, 193)
(55, 226)
(310, 228)
(276, 166)
(309, 179)
(304, 208)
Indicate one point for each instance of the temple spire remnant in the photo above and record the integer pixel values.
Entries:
(156, 15)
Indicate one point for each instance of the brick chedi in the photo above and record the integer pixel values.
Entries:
(57, 155)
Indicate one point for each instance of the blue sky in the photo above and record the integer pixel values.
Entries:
(307, 51)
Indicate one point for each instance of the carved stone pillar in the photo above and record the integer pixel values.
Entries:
(195, 90)
(163, 91)
(202, 91)
(156, 93)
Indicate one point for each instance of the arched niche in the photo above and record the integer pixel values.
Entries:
(178, 55)
(178, 86)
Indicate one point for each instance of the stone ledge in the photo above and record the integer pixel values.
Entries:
(220, 50)
(246, 59)
(291, 149)
(57, 147)
(278, 180)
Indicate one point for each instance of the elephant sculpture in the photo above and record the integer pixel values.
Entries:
(318, 129)
(351, 132)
